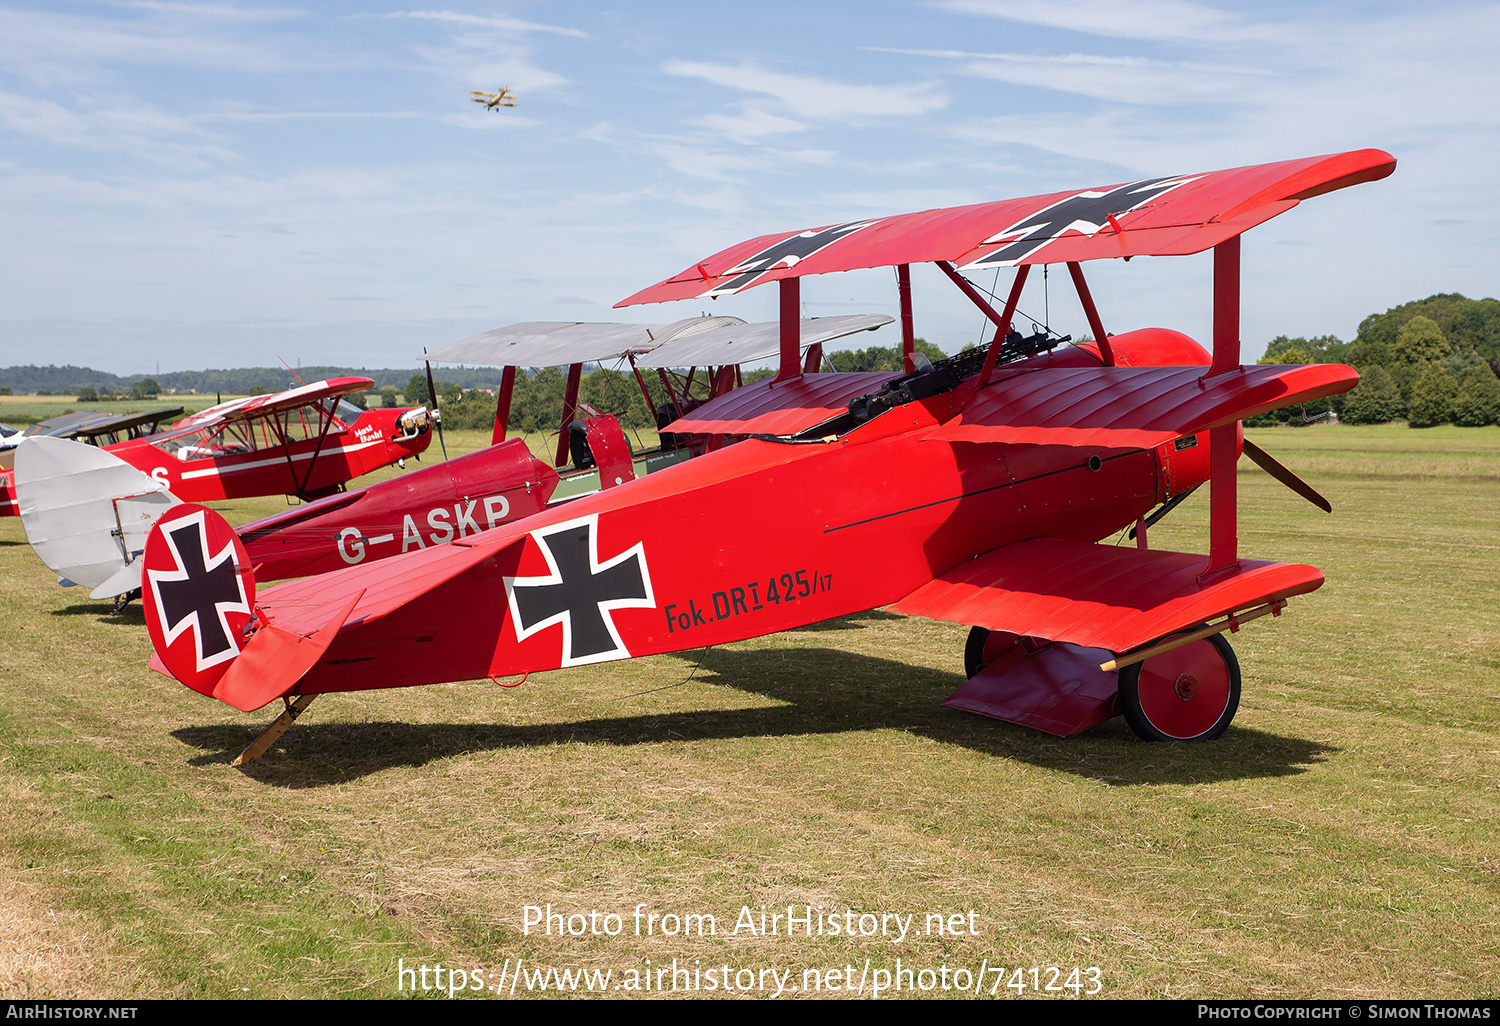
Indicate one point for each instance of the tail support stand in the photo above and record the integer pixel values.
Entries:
(294, 708)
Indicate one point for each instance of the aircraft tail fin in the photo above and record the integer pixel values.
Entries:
(198, 590)
(87, 512)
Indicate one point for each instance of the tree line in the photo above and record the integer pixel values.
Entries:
(1431, 361)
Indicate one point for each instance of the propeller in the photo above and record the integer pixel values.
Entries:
(437, 418)
(1265, 461)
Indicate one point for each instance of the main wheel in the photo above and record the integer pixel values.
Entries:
(984, 647)
(1188, 694)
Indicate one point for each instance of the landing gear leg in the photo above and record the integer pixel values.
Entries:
(121, 601)
(257, 748)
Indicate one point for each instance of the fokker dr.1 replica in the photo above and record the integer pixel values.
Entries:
(975, 490)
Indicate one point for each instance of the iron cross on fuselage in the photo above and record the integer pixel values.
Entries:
(580, 592)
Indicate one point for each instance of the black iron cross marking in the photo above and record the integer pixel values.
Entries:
(580, 593)
(1086, 213)
(789, 251)
(200, 592)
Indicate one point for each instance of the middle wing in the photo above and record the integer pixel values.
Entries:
(1123, 407)
(1134, 406)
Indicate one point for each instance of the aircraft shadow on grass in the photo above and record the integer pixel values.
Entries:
(131, 615)
(825, 691)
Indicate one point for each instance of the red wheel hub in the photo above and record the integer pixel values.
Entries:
(1184, 692)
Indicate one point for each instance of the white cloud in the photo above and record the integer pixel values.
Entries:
(227, 12)
(52, 49)
(117, 124)
(809, 97)
(489, 21)
(1118, 79)
(1123, 19)
(750, 124)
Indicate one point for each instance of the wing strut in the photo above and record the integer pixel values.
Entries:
(791, 329)
(1011, 301)
(1092, 312)
(908, 330)
(1001, 320)
(327, 424)
(502, 405)
(1223, 442)
(570, 410)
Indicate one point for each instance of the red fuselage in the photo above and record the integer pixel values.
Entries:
(759, 537)
(264, 466)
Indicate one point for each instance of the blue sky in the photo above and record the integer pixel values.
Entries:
(211, 184)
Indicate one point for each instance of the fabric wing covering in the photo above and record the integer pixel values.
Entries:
(1157, 217)
(1098, 596)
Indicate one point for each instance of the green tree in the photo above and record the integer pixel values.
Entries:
(416, 391)
(1375, 400)
(87, 395)
(881, 358)
(1459, 362)
(1466, 323)
(1420, 340)
(1432, 397)
(1478, 399)
(388, 397)
(145, 388)
(1287, 354)
(1322, 349)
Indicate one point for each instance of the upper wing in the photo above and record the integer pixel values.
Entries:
(746, 343)
(1156, 217)
(262, 405)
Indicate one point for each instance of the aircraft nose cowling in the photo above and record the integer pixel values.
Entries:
(1154, 347)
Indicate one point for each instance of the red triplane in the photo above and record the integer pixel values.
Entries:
(976, 490)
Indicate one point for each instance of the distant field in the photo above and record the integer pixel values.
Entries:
(19, 410)
(1338, 842)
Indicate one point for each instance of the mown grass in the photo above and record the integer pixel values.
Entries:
(1338, 841)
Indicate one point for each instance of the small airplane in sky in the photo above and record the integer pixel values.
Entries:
(495, 100)
(976, 489)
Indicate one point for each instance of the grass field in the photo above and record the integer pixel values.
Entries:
(1339, 841)
(24, 410)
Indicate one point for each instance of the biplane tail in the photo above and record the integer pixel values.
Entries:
(198, 590)
(87, 512)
